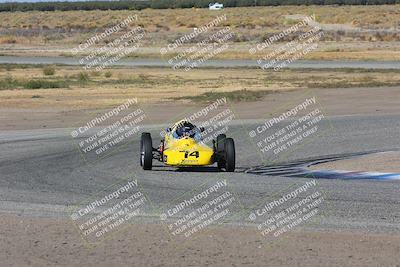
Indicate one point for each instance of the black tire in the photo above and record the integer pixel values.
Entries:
(146, 151)
(220, 148)
(220, 144)
(141, 147)
(229, 155)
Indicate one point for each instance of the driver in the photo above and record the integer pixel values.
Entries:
(186, 128)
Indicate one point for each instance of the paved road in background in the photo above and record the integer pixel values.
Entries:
(316, 64)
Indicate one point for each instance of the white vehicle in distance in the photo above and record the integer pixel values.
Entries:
(215, 6)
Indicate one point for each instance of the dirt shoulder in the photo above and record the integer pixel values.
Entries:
(345, 101)
(380, 162)
(49, 242)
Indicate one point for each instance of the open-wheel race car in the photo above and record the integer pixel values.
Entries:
(183, 146)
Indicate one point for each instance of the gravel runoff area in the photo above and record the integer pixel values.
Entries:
(55, 242)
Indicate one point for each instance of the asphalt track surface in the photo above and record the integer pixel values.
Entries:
(42, 173)
(223, 63)
(301, 169)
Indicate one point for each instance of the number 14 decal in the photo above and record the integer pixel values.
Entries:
(190, 154)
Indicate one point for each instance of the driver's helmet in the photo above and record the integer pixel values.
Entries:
(185, 128)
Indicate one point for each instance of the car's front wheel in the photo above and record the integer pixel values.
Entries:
(220, 148)
(146, 151)
(229, 155)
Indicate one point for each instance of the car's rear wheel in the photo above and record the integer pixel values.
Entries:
(220, 147)
(229, 155)
(146, 151)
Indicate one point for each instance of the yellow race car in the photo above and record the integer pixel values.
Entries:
(183, 146)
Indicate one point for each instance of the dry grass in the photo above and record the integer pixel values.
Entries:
(244, 17)
(388, 51)
(68, 29)
(163, 85)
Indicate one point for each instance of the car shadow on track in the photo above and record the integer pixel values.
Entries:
(162, 168)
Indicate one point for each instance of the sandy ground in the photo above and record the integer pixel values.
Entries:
(383, 100)
(380, 162)
(344, 50)
(55, 242)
